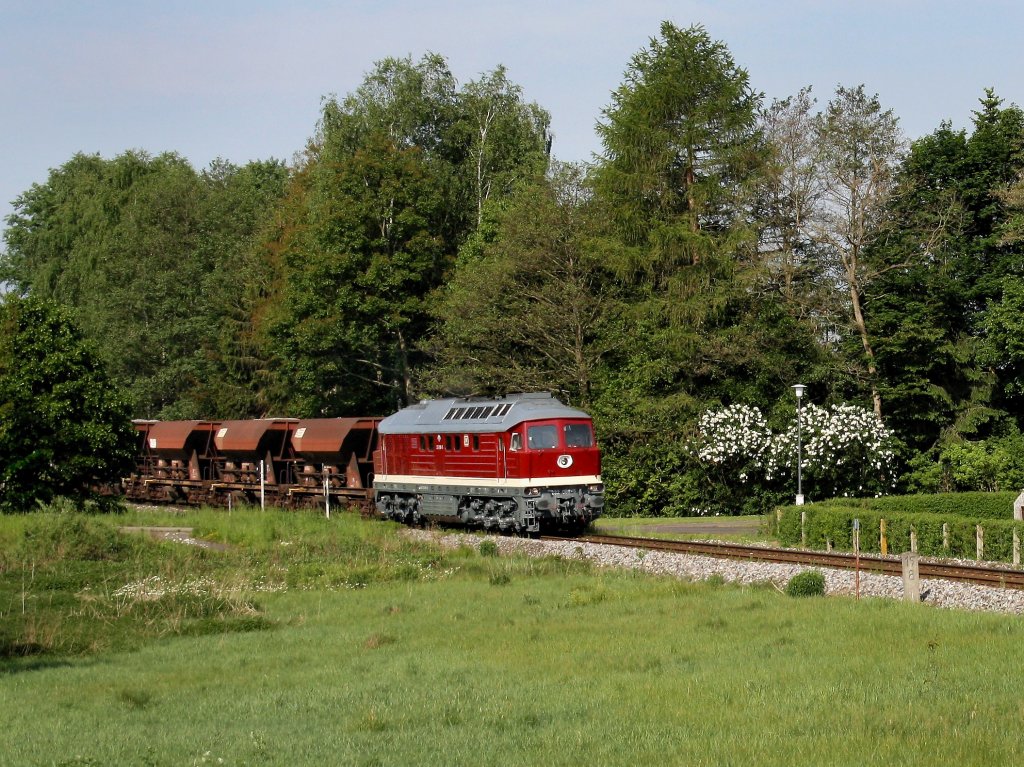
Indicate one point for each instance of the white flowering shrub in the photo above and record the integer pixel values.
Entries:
(846, 450)
(737, 437)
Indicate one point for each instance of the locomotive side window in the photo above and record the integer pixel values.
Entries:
(578, 435)
(515, 441)
(476, 442)
(542, 437)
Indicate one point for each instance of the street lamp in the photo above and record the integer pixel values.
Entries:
(799, 390)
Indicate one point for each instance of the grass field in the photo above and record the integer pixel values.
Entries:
(365, 650)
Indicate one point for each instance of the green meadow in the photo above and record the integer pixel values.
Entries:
(303, 641)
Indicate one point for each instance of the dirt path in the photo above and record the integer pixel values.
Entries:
(708, 528)
(176, 534)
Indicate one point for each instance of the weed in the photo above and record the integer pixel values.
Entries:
(376, 641)
(809, 583)
(500, 578)
(489, 548)
(587, 595)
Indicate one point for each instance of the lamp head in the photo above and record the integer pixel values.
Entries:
(799, 389)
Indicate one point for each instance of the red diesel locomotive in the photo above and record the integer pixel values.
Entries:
(513, 463)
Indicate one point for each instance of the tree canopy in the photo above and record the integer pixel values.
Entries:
(64, 430)
(425, 242)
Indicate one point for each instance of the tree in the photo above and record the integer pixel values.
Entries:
(64, 430)
(790, 193)
(509, 139)
(148, 255)
(858, 147)
(393, 186)
(529, 307)
(680, 146)
(681, 158)
(678, 184)
(942, 298)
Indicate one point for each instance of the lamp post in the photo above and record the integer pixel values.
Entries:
(799, 390)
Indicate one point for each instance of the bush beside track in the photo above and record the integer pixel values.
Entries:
(976, 505)
(830, 523)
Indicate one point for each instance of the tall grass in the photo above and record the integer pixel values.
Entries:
(73, 584)
(499, 660)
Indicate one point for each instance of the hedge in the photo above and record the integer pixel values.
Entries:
(830, 524)
(977, 505)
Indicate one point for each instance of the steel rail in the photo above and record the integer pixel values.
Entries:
(965, 573)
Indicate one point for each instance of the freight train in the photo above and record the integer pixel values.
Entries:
(519, 463)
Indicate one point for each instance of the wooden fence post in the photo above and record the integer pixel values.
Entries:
(883, 542)
(803, 528)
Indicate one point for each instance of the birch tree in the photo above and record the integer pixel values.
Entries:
(859, 147)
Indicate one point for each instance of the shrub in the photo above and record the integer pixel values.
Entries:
(832, 523)
(976, 505)
(809, 583)
(845, 450)
(488, 548)
(994, 464)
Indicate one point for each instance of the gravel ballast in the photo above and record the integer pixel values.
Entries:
(939, 593)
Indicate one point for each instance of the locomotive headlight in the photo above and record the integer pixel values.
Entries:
(597, 488)
(531, 491)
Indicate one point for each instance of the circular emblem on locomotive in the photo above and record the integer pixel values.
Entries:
(564, 461)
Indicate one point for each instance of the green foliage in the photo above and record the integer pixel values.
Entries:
(809, 583)
(157, 264)
(394, 183)
(991, 465)
(488, 548)
(65, 430)
(943, 305)
(976, 505)
(529, 305)
(832, 524)
(423, 243)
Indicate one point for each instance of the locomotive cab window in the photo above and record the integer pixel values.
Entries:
(578, 435)
(515, 442)
(542, 437)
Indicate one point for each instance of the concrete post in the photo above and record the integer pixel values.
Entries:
(803, 528)
(911, 577)
(913, 540)
(979, 533)
(1018, 507)
(945, 536)
(1016, 548)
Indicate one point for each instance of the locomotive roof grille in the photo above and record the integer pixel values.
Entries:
(475, 414)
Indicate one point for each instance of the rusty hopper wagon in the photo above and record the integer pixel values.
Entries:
(286, 461)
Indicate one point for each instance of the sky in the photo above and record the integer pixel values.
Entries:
(244, 80)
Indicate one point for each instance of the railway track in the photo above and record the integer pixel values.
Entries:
(980, 575)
